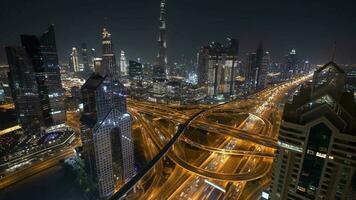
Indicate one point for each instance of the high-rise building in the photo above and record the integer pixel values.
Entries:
(261, 67)
(106, 134)
(92, 57)
(74, 62)
(316, 154)
(123, 64)
(251, 71)
(85, 58)
(98, 65)
(24, 89)
(216, 67)
(160, 66)
(291, 65)
(203, 62)
(42, 51)
(263, 70)
(108, 64)
(256, 69)
(135, 70)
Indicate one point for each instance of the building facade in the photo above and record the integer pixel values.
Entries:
(316, 155)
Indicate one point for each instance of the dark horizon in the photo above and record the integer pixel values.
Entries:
(311, 28)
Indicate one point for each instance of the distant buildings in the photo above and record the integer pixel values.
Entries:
(37, 61)
(216, 68)
(74, 61)
(316, 157)
(106, 134)
(108, 64)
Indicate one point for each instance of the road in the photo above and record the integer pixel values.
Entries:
(222, 151)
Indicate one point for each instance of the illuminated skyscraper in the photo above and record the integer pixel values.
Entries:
(123, 64)
(108, 149)
(316, 155)
(24, 89)
(160, 66)
(74, 60)
(216, 67)
(109, 66)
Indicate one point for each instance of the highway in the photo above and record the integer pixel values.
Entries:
(221, 152)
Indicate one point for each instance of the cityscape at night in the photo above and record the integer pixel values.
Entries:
(177, 100)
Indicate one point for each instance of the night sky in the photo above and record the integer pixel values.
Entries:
(309, 26)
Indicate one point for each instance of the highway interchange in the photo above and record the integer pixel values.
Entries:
(226, 152)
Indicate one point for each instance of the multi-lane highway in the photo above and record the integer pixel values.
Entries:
(223, 150)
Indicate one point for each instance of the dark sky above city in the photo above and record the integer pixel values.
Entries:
(309, 26)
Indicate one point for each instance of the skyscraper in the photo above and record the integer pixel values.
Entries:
(316, 155)
(109, 65)
(24, 89)
(123, 64)
(160, 66)
(42, 51)
(263, 70)
(257, 65)
(135, 70)
(251, 71)
(74, 60)
(98, 65)
(216, 67)
(106, 134)
(85, 58)
(290, 65)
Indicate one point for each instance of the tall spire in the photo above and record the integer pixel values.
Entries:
(160, 71)
(162, 42)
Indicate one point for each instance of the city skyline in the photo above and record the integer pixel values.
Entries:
(310, 28)
(233, 100)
